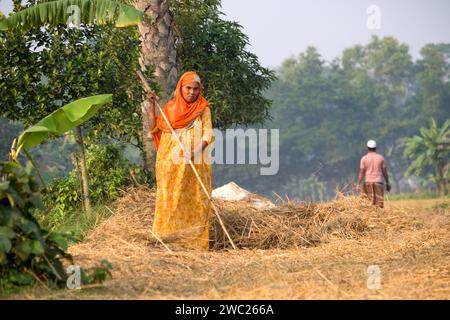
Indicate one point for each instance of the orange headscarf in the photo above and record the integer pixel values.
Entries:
(180, 112)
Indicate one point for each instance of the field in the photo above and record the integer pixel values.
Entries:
(408, 241)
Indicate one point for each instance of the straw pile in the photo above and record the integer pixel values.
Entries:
(317, 251)
(288, 225)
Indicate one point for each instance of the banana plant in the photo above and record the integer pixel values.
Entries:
(69, 11)
(431, 148)
(53, 13)
(57, 123)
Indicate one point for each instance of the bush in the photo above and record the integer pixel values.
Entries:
(28, 253)
(63, 195)
(108, 174)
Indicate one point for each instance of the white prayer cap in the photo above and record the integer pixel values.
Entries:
(371, 144)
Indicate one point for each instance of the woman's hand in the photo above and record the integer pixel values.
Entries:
(188, 155)
(149, 108)
(152, 97)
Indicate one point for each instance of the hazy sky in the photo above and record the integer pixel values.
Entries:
(279, 29)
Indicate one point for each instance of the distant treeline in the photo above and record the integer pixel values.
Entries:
(326, 112)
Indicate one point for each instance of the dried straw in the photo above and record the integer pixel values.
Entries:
(295, 250)
(289, 225)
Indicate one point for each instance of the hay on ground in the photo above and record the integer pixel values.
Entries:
(325, 252)
(288, 225)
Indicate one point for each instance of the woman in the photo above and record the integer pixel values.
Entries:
(182, 209)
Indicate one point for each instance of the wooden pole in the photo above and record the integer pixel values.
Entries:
(148, 89)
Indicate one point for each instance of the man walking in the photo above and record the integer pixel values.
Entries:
(373, 169)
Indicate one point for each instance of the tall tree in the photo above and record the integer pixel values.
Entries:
(190, 35)
(157, 51)
(389, 63)
(71, 63)
(433, 75)
(234, 80)
(328, 110)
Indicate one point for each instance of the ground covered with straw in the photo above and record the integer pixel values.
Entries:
(292, 251)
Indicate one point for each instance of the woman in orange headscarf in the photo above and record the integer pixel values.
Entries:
(182, 209)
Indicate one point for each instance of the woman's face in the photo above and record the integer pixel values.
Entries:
(190, 91)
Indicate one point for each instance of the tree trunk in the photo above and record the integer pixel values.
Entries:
(147, 140)
(440, 180)
(444, 170)
(84, 171)
(158, 50)
(76, 162)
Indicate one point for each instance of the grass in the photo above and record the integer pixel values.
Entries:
(419, 204)
(415, 195)
(75, 222)
(443, 205)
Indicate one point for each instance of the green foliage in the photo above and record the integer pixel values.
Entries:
(63, 120)
(63, 195)
(8, 132)
(431, 148)
(109, 174)
(443, 206)
(234, 81)
(413, 195)
(60, 11)
(52, 157)
(27, 252)
(97, 274)
(327, 111)
(433, 77)
(73, 63)
(75, 222)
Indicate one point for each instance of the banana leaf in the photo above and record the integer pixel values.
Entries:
(62, 120)
(58, 12)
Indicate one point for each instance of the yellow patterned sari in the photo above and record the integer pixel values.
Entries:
(183, 211)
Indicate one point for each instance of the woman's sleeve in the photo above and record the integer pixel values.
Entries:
(207, 130)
